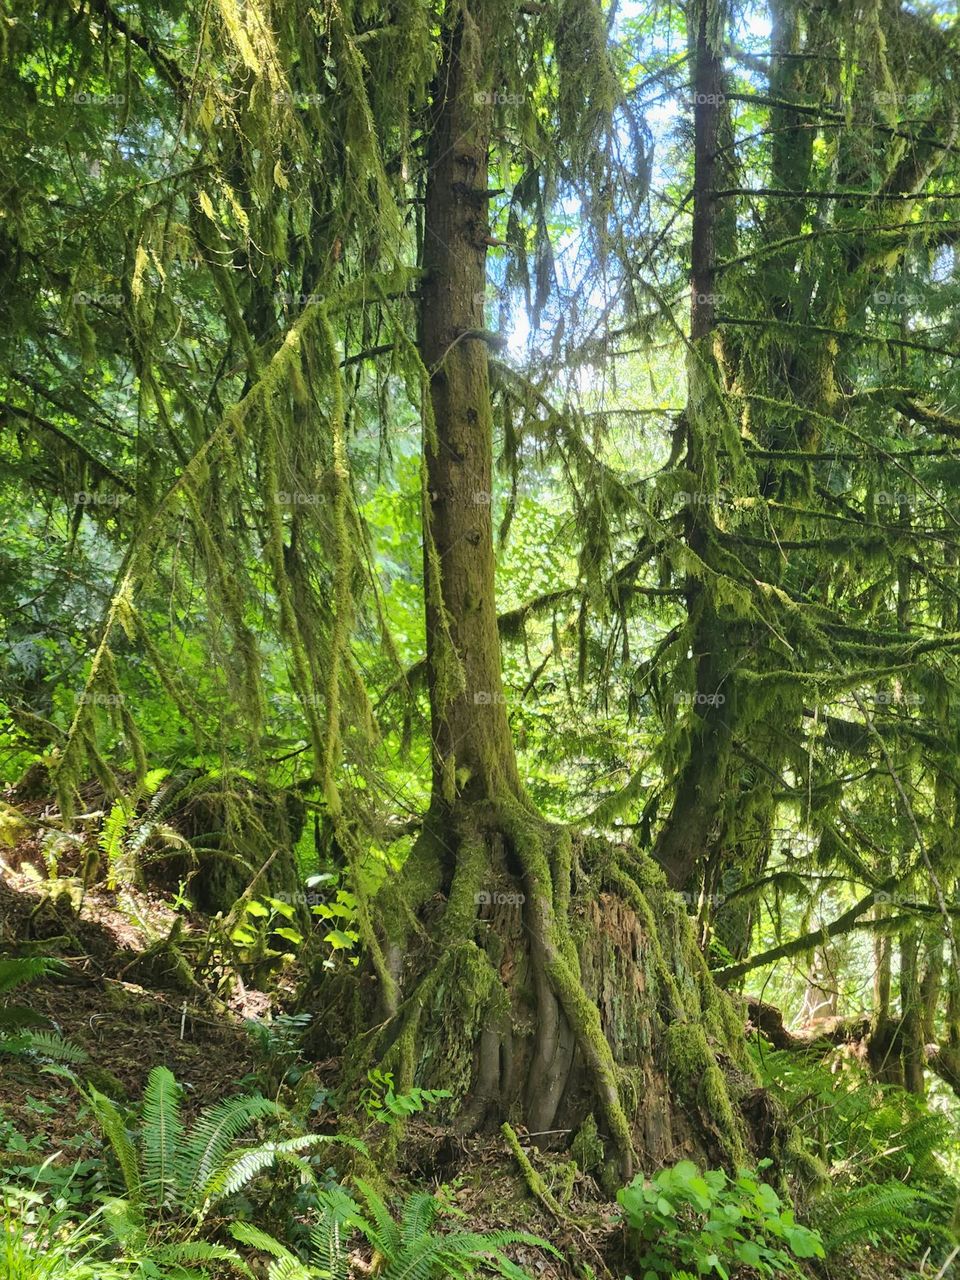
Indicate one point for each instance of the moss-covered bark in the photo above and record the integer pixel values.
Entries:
(546, 980)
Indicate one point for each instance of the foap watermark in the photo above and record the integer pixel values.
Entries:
(300, 299)
(893, 298)
(301, 898)
(290, 698)
(481, 498)
(699, 699)
(887, 899)
(702, 899)
(890, 98)
(707, 299)
(495, 898)
(499, 99)
(288, 498)
(894, 698)
(704, 499)
(704, 99)
(101, 699)
(84, 298)
(84, 498)
(287, 99)
(85, 99)
(486, 698)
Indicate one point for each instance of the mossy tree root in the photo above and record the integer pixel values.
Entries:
(540, 977)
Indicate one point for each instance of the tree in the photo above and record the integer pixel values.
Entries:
(310, 207)
(496, 989)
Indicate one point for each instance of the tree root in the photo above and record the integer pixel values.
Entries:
(535, 1183)
(585, 993)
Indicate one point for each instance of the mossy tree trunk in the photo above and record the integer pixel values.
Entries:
(692, 825)
(543, 978)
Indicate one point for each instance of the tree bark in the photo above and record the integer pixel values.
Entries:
(535, 974)
(472, 745)
(686, 836)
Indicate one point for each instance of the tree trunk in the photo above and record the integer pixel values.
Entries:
(536, 975)
(694, 819)
(472, 748)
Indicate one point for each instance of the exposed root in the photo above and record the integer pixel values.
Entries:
(585, 993)
(534, 1182)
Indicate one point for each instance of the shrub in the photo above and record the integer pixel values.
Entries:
(710, 1223)
(38, 1242)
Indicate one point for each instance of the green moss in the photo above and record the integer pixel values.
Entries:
(698, 1081)
(400, 898)
(472, 869)
(809, 1170)
(443, 1021)
(105, 1081)
(533, 1180)
(587, 1148)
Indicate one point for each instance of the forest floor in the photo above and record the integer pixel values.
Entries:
(128, 1019)
(128, 1027)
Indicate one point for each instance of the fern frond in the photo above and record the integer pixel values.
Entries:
(386, 1235)
(163, 1162)
(421, 1260)
(46, 1044)
(293, 1269)
(461, 1253)
(183, 1252)
(112, 837)
(16, 970)
(115, 1131)
(18, 1015)
(419, 1214)
(246, 1233)
(340, 1213)
(881, 1211)
(125, 1221)
(212, 1137)
(244, 1165)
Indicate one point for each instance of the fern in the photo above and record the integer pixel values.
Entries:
(411, 1249)
(179, 1255)
(385, 1236)
(246, 1233)
(873, 1139)
(162, 1135)
(114, 1130)
(18, 1015)
(175, 1177)
(17, 970)
(243, 1166)
(877, 1212)
(326, 1239)
(44, 1044)
(213, 1136)
(122, 842)
(419, 1214)
(112, 837)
